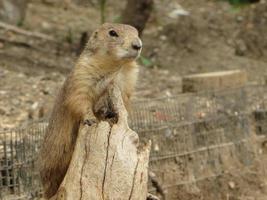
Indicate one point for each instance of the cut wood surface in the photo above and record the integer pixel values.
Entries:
(214, 81)
(107, 163)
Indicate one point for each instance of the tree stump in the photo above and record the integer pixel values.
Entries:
(214, 81)
(107, 163)
(137, 13)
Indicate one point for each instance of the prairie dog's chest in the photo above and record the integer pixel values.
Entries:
(111, 79)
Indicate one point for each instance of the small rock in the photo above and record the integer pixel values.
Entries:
(231, 185)
(168, 93)
(34, 106)
(168, 133)
(178, 11)
(240, 18)
(21, 75)
(156, 147)
(165, 72)
(160, 28)
(201, 115)
(163, 37)
(2, 92)
(46, 25)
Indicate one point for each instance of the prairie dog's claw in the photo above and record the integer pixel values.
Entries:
(89, 122)
(107, 114)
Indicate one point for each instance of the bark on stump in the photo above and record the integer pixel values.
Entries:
(137, 13)
(214, 81)
(107, 163)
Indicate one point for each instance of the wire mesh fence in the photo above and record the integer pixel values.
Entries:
(194, 137)
(18, 152)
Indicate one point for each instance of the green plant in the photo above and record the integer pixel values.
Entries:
(146, 61)
(238, 2)
(20, 22)
(117, 19)
(102, 4)
(69, 36)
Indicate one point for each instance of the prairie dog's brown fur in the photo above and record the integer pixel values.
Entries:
(109, 58)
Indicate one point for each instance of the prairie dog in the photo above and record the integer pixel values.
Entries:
(108, 58)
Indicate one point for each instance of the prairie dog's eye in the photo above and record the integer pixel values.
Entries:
(113, 33)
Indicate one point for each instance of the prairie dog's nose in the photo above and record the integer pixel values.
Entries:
(137, 44)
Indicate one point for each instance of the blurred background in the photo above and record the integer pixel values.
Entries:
(40, 41)
(180, 38)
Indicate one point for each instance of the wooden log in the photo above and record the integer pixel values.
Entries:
(108, 163)
(214, 81)
(25, 32)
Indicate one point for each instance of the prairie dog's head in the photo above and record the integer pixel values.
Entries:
(115, 42)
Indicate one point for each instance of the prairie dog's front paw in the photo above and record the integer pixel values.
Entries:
(112, 117)
(107, 114)
(104, 109)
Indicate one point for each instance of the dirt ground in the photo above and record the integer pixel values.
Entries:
(214, 36)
